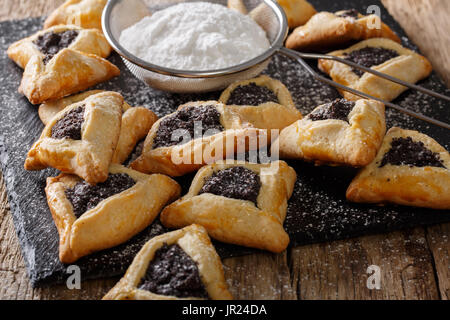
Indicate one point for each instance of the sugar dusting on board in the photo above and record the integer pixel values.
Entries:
(196, 36)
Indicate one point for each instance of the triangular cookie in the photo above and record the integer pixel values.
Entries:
(182, 264)
(382, 55)
(91, 218)
(238, 202)
(81, 139)
(196, 134)
(410, 169)
(339, 133)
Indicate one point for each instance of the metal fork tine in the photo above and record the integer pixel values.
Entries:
(377, 73)
(296, 55)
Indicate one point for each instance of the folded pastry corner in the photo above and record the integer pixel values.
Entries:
(92, 218)
(181, 264)
(238, 202)
(264, 102)
(326, 30)
(68, 72)
(383, 55)
(410, 169)
(196, 134)
(81, 139)
(84, 13)
(338, 133)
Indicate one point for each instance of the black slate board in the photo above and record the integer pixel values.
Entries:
(317, 210)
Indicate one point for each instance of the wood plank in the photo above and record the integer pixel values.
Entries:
(338, 270)
(439, 243)
(261, 276)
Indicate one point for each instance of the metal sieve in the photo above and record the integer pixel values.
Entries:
(121, 14)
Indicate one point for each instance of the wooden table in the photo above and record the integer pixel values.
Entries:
(415, 264)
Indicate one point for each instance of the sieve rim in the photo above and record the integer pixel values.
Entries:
(124, 53)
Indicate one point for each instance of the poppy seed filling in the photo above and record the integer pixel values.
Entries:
(369, 57)
(201, 121)
(51, 43)
(236, 182)
(251, 95)
(172, 272)
(84, 197)
(339, 109)
(70, 125)
(406, 152)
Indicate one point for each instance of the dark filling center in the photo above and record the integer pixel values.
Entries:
(199, 122)
(406, 152)
(338, 109)
(369, 57)
(251, 95)
(83, 196)
(352, 13)
(70, 125)
(173, 273)
(236, 182)
(51, 43)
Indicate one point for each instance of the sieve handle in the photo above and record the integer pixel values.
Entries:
(299, 57)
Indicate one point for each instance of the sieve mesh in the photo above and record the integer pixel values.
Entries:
(120, 14)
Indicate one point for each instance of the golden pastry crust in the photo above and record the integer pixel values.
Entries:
(326, 30)
(408, 66)
(195, 242)
(268, 115)
(238, 221)
(181, 159)
(114, 220)
(298, 12)
(337, 142)
(84, 13)
(88, 41)
(136, 123)
(405, 185)
(90, 157)
(68, 72)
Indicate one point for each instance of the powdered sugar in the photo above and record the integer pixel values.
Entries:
(195, 36)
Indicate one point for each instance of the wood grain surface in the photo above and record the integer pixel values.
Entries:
(414, 264)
